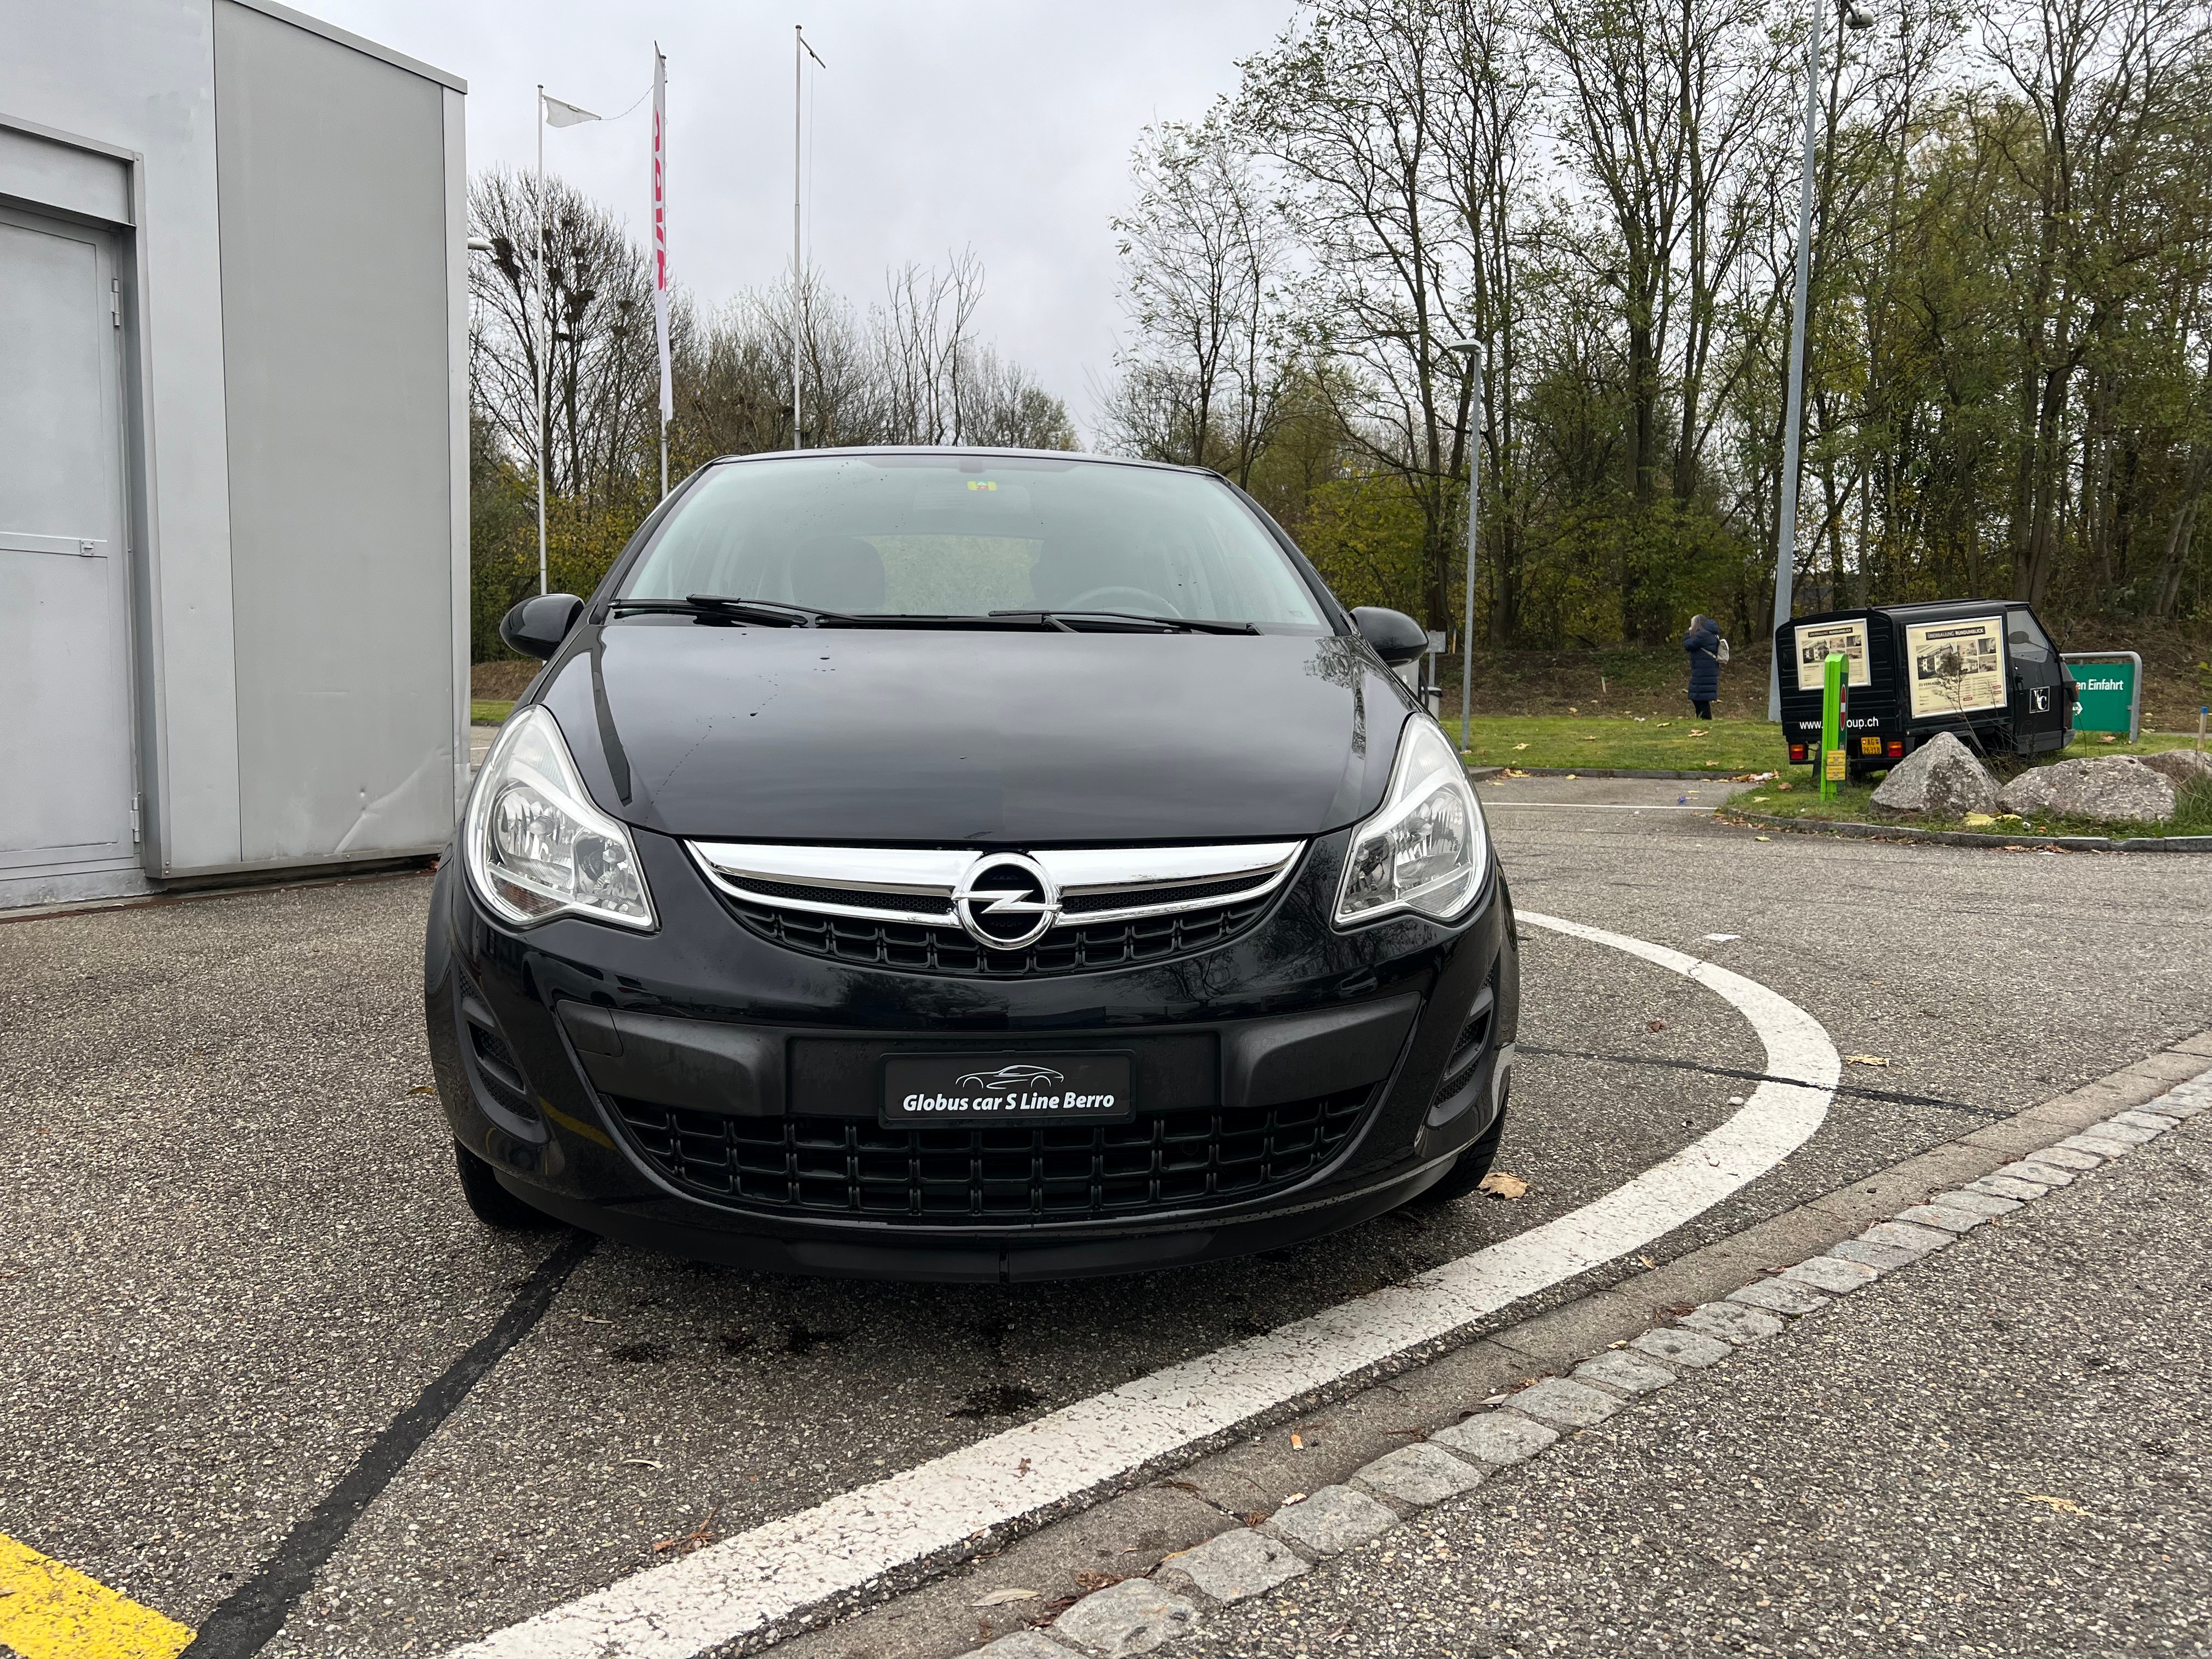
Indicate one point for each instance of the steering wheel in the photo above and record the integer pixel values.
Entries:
(1149, 603)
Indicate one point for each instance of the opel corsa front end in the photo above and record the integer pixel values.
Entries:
(967, 865)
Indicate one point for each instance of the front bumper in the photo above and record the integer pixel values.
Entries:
(703, 1091)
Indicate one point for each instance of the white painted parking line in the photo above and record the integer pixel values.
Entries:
(746, 1582)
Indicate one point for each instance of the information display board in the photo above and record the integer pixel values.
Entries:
(1956, 666)
(1817, 641)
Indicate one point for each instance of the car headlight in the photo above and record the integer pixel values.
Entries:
(536, 846)
(1425, 849)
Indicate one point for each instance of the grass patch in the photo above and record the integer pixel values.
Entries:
(1653, 745)
(1853, 803)
(1657, 743)
(489, 711)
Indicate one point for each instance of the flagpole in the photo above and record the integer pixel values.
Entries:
(660, 250)
(539, 357)
(798, 276)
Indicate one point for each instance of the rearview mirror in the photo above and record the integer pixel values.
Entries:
(1396, 637)
(536, 626)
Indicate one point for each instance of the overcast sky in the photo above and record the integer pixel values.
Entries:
(938, 124)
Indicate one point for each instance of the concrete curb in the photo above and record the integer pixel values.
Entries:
(1710, 774)
(1592, 1363)
(1970, 838)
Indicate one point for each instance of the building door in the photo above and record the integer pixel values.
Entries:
(67, 771)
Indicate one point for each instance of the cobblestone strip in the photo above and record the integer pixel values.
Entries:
(1141, 1614)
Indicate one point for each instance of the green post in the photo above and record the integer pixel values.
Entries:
(1834, 767)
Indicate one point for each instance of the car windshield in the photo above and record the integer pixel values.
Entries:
(934, 534)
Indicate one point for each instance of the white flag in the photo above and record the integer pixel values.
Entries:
(660, 229)
(559, 112)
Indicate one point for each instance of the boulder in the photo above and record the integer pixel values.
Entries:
(2182, 767)
(2112, 789)
(1941, 779)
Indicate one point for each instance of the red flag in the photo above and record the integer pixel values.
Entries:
(660, 229)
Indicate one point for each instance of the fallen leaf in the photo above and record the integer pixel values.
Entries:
(1295, 1498)
(1762, 838)
(1095, 1580)
(1693, 734)
(1864, 1060)
(1758, 797)
(998, 1598)
(1520, 745)
(700, 1535)
(1298, 1442)
(423, 1089)
(1785, 787)
(1498, 1184)
(1022, 1471)
(2064, 1505)
(1571, 777)
(1647, 1262)
(1654, 1025)
(1979, 817)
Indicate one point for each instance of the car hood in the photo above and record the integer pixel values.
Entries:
(990, 739)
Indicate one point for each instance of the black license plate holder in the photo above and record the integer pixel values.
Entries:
(1096, 1086)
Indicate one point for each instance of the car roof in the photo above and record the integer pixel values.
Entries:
(979, 451)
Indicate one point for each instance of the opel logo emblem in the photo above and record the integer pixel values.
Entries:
(1006, 901)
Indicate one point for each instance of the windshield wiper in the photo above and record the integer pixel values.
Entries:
(777, 614)
(1170, 624)
(773, 613)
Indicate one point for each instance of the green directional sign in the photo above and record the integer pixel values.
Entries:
(2108, 693)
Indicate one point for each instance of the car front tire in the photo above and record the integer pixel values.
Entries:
(491, 1203)
(1467, 1169)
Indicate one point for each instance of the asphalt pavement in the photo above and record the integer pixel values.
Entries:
(233, 1250)
(2003, 1450)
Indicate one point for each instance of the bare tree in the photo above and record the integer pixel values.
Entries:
(564, 365)
(1204, 280)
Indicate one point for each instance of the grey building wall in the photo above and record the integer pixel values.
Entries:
(298, 619)
(330, 181)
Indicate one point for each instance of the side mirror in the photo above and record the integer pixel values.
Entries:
(536, 626)
(1396, 637)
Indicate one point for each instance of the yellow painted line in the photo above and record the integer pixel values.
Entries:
(49, 1610)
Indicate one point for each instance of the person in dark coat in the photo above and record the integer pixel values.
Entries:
(1702, 643)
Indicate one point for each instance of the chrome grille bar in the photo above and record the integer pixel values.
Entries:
(841, 881)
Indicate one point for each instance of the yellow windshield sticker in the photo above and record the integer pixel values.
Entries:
(981, 484)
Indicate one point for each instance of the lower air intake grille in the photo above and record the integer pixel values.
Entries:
(949, 1175)
(1467, 1053)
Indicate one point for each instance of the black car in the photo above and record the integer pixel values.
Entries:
(973, 865)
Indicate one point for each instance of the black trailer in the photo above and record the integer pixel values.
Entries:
(1983, 670)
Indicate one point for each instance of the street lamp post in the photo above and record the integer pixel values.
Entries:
(1785, 552)
(1473, 350)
